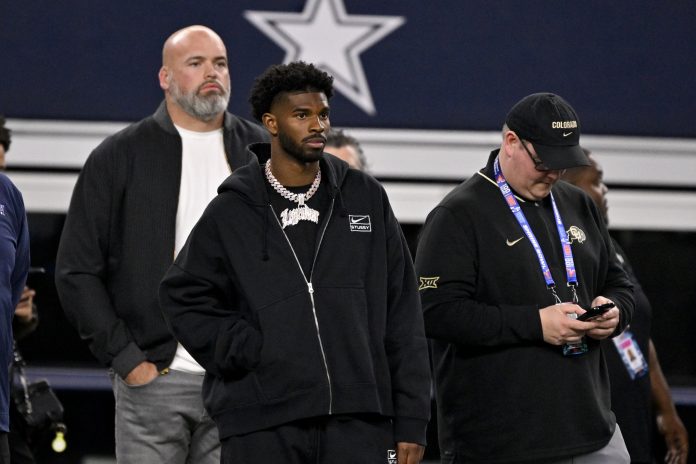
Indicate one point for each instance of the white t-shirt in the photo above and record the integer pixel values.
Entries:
(203, 168)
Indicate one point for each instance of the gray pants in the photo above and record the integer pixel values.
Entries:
(164, 422)
(614, 453)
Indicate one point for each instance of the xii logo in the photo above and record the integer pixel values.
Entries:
(428, 282)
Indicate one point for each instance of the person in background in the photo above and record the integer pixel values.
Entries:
(25, 317)
(507, 261)
(346, 147)
(14, 268)
(134, 204)
(302, 304)
(5, 141)
(640, 395)
(25, 320)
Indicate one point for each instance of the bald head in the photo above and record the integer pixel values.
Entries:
(181, 41)
(195, 78)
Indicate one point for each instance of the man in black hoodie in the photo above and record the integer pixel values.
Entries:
(506, 262)
(297, 294)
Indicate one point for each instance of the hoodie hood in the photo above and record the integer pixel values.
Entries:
(248, 181)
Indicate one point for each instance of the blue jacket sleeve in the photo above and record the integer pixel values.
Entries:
(22, 260)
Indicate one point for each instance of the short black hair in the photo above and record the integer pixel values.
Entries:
(291, 77)
(337, 138)
(5, 134)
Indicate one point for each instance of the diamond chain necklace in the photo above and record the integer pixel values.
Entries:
(298, 198)
(291, 217)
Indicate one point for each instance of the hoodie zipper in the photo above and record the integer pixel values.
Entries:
(310, 290)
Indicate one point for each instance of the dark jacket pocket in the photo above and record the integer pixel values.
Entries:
(351, 347)
(291, 359)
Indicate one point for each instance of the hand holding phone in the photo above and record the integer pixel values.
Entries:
(595, 312)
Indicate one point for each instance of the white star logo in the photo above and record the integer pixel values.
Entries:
(324, 34)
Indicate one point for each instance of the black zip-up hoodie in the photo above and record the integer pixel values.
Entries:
(279, 346)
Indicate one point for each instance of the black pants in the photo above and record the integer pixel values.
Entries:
(4, 449)
(19, 448)
(20, 451)
(322, 440)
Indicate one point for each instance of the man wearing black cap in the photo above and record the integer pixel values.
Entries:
(505, 266)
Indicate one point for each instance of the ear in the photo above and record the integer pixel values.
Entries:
(269, 121)
(164, 78)
(510, 141)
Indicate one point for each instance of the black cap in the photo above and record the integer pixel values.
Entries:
(552, 126)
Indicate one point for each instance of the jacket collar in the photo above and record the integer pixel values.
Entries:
(162, 118)
(249, 180)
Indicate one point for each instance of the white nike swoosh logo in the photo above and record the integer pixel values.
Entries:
(356, 220)
(509, 243)
(566, 135)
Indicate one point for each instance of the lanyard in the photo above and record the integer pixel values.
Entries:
(522, 220)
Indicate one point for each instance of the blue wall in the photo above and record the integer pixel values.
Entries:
(628, 67)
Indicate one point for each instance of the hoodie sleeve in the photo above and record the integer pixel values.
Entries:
(406, 345)
(199, 301)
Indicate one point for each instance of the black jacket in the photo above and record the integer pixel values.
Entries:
(118, 238)
(503, 393)
(631, 399)
(278, 346)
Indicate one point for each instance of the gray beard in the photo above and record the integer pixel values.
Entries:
(202, 108)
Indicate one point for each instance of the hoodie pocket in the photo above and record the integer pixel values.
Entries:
(291, 360)
(346, 328)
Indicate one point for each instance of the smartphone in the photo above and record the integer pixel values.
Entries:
(595, 312)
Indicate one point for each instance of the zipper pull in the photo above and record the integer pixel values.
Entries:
(310, 287)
